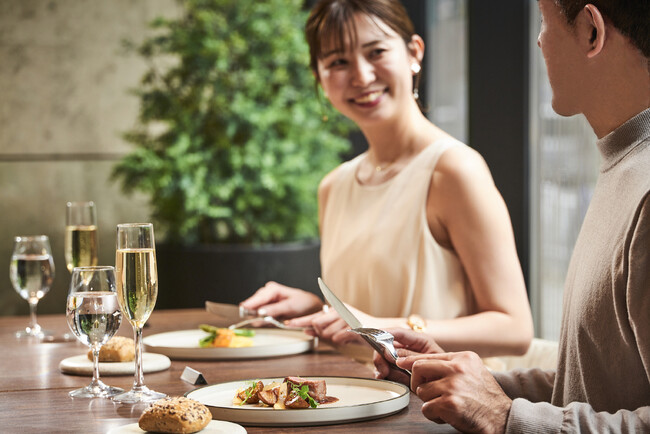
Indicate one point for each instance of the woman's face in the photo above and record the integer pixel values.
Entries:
(372, 80)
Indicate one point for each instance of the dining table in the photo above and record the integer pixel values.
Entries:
(34, 392)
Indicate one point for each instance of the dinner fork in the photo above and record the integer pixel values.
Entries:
(380, 340)
(268, 319)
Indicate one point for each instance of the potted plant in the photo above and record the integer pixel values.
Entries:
(230, 144)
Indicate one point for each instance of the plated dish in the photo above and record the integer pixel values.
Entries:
(184, 344)
(81, 365)
(358, 399)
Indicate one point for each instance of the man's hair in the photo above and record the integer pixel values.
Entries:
(630, 17)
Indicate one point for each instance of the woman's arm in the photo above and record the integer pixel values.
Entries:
(467, 214)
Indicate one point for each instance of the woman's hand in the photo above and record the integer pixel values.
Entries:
(282, 302)
(408, 343)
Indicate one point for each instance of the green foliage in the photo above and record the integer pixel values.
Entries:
(230, 142)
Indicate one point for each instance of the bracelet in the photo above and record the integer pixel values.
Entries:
(416, 323)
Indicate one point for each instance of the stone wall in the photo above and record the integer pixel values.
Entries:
(64, 102)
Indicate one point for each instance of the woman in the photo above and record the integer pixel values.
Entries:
(413, 230)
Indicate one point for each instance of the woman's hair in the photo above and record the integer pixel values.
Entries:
(330, 21)
(630, 17)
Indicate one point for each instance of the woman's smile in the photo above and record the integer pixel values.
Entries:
(369, 99)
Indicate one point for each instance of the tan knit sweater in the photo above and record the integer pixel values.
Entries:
(602, 382)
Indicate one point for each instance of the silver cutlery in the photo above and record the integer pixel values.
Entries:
(240, 316)
(378, 339)
(381, 339)
(269, 320)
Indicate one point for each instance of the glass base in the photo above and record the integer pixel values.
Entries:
(35, 332)
(96, 390)
(138, 394)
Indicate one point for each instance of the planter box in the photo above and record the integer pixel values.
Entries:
(190, 275)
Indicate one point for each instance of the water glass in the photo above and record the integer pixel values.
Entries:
(31, 272)
(94, 316)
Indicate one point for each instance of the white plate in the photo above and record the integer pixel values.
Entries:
(184, 344)
(359, 399)
(214, 427)
(81, 365)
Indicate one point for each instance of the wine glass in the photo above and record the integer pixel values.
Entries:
(80, 235)
(94, 316)
(137, 290)
(31, 271)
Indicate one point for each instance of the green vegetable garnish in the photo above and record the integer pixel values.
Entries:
(214, 332)
(249, 391)
(244, 332)
(207, 341)
(303, 392)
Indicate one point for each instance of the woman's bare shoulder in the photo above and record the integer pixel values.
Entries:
(461, 165)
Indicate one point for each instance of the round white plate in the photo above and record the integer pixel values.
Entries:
(359, 399)
(184, 344)
(214, 427)
(81, 365)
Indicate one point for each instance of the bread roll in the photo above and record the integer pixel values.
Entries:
(175, 415)
(118, 349)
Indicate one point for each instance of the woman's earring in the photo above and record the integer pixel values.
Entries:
(416, 68)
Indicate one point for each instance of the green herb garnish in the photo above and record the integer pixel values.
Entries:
(303, 392)
(252, 385)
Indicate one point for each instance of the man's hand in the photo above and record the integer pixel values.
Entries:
(407, 342)
(459, 390)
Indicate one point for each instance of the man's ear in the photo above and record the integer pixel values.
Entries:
(594, 23)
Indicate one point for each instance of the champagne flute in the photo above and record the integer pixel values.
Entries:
(31, 271)
(80, 235)
(137, 289)
(94, 316)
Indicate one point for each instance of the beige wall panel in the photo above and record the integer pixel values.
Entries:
(64, 76)
(64, 83)
(34, 197)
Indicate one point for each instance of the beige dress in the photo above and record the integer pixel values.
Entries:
(377, 252)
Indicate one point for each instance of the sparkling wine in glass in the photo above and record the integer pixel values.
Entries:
(94, 316)
(80, 235)
(137, 290)
(31, 271)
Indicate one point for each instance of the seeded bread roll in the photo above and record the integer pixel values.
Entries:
(118, 349)
(175, 415)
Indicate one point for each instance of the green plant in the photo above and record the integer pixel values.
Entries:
(230, 143)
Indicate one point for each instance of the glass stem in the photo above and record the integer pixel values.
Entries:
(139, 373)
(95, 382)
(33, 325)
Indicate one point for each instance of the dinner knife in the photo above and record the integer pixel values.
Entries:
(338, 305)
(353, 321)
(230, 311)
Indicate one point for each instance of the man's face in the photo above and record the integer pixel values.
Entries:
(559, 44)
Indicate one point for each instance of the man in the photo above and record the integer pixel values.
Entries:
(597, 56)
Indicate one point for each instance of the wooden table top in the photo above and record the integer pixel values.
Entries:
(34, 393)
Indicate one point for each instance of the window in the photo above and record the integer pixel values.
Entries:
(446, 72)
(563, 169)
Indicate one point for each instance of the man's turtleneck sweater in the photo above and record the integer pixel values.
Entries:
(602, 382)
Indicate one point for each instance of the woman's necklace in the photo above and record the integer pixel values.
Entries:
(381, 167)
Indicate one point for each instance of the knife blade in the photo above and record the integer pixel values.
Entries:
(353, 321)
(338, 305)
(229, 311)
